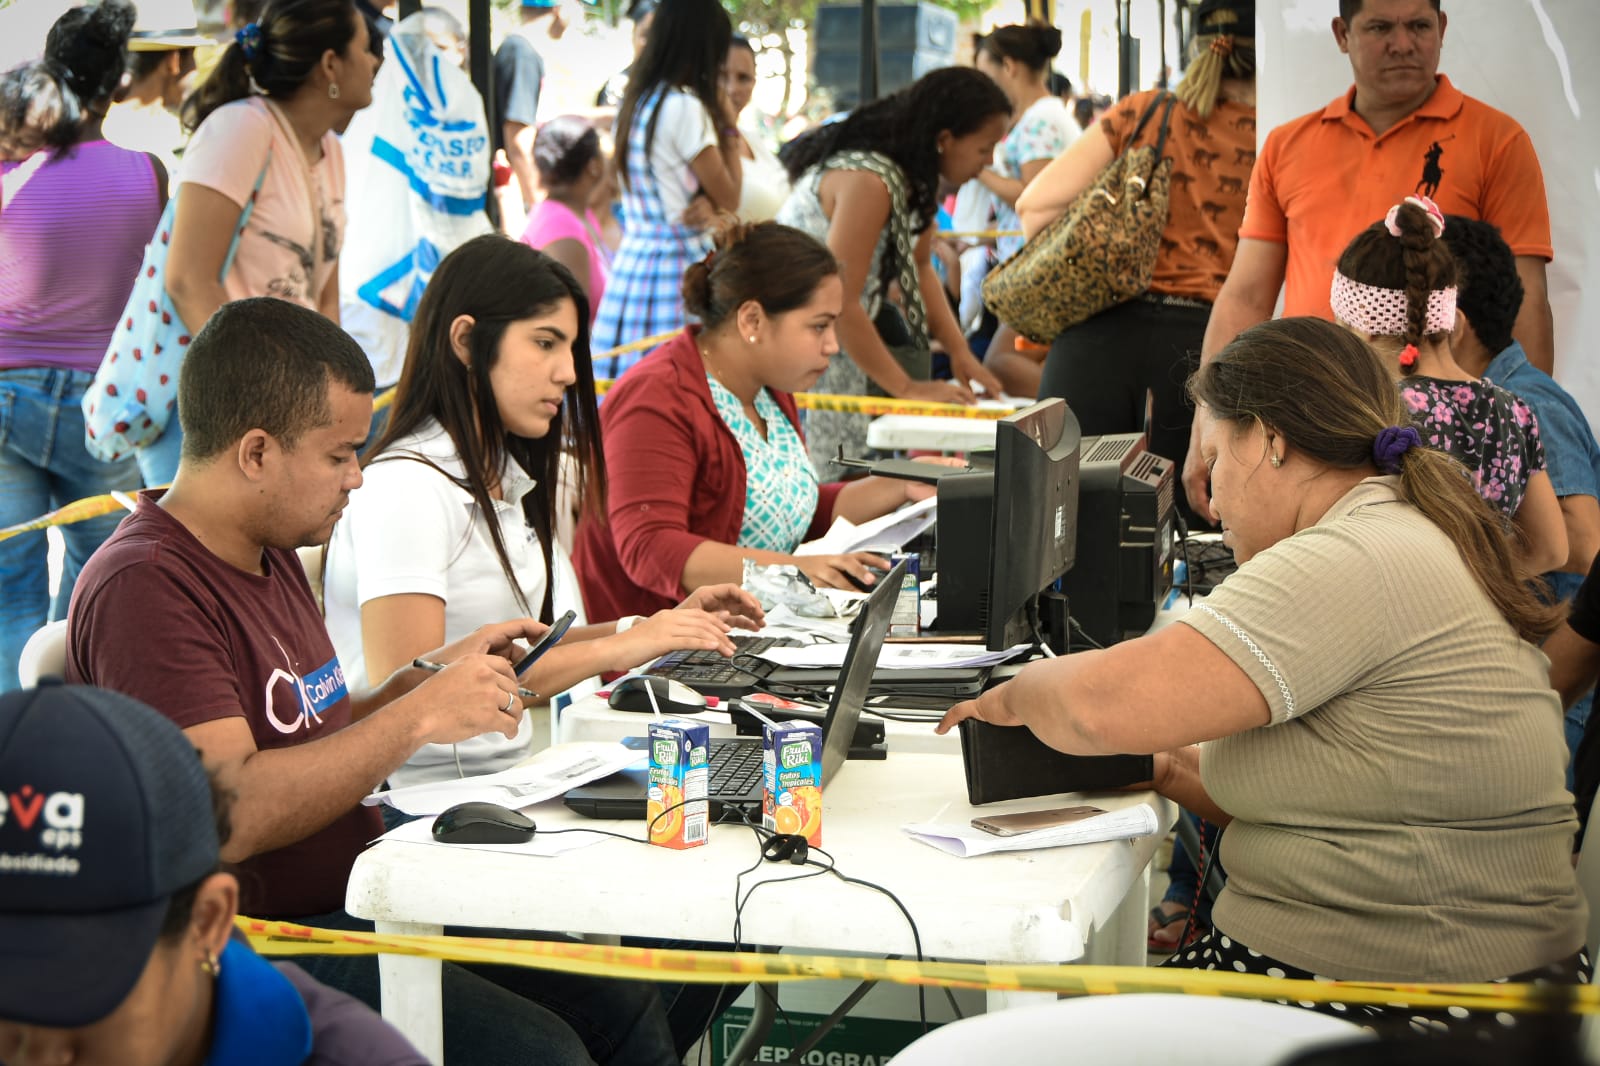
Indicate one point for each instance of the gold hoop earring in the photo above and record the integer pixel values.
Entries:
(211, 966)
(333, 90)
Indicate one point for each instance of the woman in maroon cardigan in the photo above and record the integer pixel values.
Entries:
(705, 462)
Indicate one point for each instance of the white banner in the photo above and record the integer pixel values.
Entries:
(416, 171)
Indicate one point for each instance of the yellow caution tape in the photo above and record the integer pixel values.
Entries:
(76, 511)
(977, 234)
(726, 967)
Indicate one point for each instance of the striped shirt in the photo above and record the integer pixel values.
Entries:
(72, 239)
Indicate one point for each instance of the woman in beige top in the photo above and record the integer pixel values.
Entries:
(1375, 725)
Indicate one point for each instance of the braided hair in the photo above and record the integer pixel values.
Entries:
(1416, 261)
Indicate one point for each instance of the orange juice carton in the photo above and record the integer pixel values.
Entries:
(676, 808)
(791, 764)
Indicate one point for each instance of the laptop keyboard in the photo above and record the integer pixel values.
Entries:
(735, 767)
(702, 667)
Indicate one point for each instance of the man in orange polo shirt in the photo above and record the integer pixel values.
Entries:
(1402, 129)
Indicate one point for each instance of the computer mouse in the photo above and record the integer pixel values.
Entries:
(482, 823)
(632, 693)
(877, 575)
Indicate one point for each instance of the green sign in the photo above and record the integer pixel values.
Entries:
(852, 1042)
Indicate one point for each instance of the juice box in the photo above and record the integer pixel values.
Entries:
(906, 619)
(791, 766)
(678, 775)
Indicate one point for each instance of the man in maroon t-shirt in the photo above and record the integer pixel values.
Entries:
(198, 606)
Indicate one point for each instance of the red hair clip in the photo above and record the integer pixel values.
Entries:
(1223, 45)
(1408, 356)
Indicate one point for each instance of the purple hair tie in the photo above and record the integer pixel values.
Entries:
(1391, 443)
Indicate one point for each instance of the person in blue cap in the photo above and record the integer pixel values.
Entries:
(117, 939)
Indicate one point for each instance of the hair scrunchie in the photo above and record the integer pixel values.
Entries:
(1435, 216)
(1223, 45)
(248, 38)
(1391, 443)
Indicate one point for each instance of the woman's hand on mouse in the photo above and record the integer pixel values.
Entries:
(728, 602)
(675, 629)
(475, 694)
(832, 571)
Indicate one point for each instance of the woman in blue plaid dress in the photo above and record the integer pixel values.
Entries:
(676, 140)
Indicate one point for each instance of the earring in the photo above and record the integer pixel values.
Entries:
(211, 966)
(1277, 461)
(333, 90)
(752, 338)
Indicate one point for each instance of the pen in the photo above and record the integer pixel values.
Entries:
(434, 668)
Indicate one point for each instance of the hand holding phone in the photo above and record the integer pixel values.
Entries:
(1009, 825)
(545, 643)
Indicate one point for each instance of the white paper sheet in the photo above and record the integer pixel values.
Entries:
(544, 776)
(544, 845)
(895, 656)
(893, 529)
(964, 841)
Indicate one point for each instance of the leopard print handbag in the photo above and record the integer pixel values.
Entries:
(1099, 253)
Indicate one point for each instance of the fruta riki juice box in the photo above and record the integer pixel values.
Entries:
(791, 763)
(679, 781)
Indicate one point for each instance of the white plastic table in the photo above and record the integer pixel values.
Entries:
(1060, 905)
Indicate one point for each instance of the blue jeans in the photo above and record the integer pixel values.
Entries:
(44, 465)
(515, 1016)
(158, 460)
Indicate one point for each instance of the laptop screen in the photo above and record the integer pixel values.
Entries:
(868, 631)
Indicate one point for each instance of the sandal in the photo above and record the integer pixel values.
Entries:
(1167, 921)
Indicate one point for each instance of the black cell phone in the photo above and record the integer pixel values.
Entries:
(546, 642)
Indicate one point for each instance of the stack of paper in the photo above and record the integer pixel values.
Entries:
(892, 530)
(965, 841)
(544, 776)
(895, 656)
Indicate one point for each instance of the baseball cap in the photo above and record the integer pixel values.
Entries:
(105, 813)
(163, 25)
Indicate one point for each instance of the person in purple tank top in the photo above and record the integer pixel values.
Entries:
(75, 215)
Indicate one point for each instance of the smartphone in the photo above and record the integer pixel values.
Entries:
(1009, 825)
(546, 642)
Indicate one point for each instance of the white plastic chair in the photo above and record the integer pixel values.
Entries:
(1133, 1030)
(45, 654)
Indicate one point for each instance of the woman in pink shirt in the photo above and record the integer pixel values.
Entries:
(280, 90)
(571, 167)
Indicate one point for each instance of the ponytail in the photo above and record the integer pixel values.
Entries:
(1330, 394)
(1215, 53)
(274, 55)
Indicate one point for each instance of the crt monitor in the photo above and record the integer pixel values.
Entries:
(1126, 519)
(1035, 523)
(1005, 535)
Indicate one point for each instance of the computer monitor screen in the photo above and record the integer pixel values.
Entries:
(1035, 516)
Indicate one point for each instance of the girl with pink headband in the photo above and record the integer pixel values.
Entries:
(1395, 285)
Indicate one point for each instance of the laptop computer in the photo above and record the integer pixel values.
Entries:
(733, 786)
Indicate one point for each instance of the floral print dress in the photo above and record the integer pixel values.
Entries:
(1491, 431)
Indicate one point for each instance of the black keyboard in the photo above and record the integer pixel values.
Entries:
(702, 667)
(735, 767)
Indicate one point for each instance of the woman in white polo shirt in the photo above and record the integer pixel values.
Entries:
(455, 522)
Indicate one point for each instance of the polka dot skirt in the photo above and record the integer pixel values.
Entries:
(1217, 951)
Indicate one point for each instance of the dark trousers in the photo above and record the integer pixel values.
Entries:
(515, 1016)
(1103, 367)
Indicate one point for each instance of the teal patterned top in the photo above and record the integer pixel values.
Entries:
(780, 488)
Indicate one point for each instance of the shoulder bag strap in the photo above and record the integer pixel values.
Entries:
(1145, 118)
(1166, 122)
(244, 217)
(311, 193)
